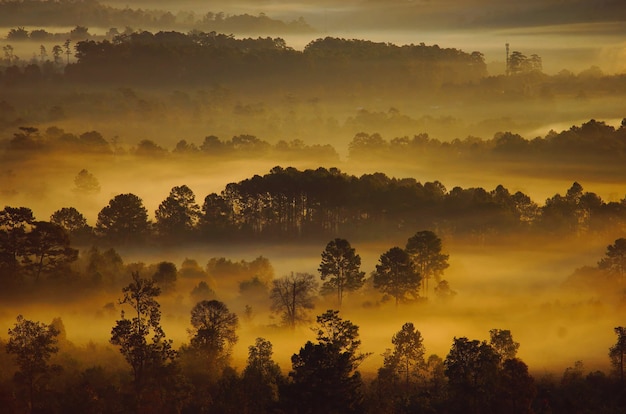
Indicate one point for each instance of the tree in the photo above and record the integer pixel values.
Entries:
(86, 183)
(617, 352)
(472, 371)
(407, 355)
(125, 219)
(396, 275)
(292, 296)
(213, 331)
(73, 222)
(328, 369)
(516, 389)
(178, 214)
(15, 222)
(341, 266)
(615, 260)
(502, 342)
(141, 339)
(165, 276)
(424, 248)
(48, 249)
(32, 344)
(261, 378)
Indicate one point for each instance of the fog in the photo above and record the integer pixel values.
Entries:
(518, 169)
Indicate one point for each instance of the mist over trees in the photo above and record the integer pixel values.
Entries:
(180, 172)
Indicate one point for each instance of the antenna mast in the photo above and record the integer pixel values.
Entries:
(507, 59)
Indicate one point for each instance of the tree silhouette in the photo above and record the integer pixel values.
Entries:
(261, 378)
(472, 371)
(407, 356)
(48, 249)
(425, 251)
(328, 369)
(213, 332)
(341, 266)
(292, 296)
(141, 339)
(618, 351)
(32, 344)
(396, 275)
(15, 222)
(125, 219)
(73, 222)
(502, 342)
(615, 260)
(178, 214)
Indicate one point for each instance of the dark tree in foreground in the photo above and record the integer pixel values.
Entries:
(396, 275)
(261, 378)
(324, 375)
(472, 371)
(617, 352)
(292, 296)
(141, 339)
(342, 267)
(32, 344)
(425, 251)
(125, 219)
(407, 356)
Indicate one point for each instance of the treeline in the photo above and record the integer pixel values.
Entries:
(45, 13)
(289, 204)
(29, 142)
(201, 57)
(592, 141)
(476, 376)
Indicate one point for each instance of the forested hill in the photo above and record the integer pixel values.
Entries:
(201, 57)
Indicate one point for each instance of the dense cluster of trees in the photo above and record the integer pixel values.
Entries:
(291, 204)
(592, 141)
(30, 142)
(474, 377)
(201, 56)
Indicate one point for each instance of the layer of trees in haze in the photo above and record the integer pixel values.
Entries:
(476, 376)
(259, 207)
(289, 204)
(44, 13)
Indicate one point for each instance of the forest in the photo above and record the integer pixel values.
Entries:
(278, 207)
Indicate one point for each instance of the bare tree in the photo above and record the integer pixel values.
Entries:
(292, 296)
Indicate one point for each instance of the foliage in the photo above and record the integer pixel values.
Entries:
(177, 214)
(502, 342)
(213, 332)
(328, 369)
(125, 219)
(425, 250)
(32, 344)
(396, 275)
(341, 266)
(407, 356)
(141, 340)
